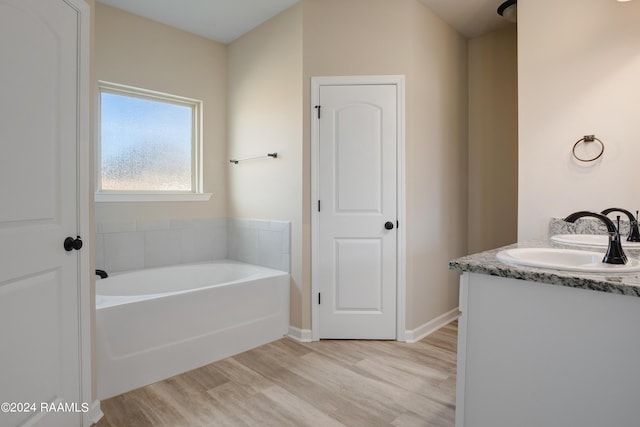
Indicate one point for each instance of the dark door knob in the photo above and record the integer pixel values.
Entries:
(388, 225)
(70, 243)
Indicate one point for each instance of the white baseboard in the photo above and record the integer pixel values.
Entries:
(94, 414)
(431, 326)
(300, 335)
(410, 336)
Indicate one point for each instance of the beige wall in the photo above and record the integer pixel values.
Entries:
(268, 73)
(139, 52)
(578, 68)
(264, 116)
(375, 37)
(493, 140)
(436, 152)
(267, 110)
(354, 37)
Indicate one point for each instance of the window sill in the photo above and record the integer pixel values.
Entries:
(152, 197)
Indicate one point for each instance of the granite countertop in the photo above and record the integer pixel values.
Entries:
(487, 263)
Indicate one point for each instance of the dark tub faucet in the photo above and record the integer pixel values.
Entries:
(615, 254)
(634, 233)
(103, 274)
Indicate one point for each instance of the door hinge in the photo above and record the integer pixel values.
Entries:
(318, 205)
(318, 297)
(318, 107)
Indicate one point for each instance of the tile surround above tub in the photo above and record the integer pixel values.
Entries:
(122, 246)
(133, 245)
(260, 242)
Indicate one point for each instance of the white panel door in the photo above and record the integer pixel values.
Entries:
(357, 191)
(39, 295)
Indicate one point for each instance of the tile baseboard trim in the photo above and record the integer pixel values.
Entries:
(300, 335)
(415, 335)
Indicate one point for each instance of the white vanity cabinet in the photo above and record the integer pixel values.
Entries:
(534, 354)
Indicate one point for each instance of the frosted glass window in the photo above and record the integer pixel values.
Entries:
(149, 142)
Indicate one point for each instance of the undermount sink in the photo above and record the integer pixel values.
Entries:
(590, 240)
(565, 259)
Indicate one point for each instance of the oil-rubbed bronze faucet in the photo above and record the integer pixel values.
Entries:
(634, 233)
(615, 254)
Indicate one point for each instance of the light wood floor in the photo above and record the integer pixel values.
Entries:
(324, 384)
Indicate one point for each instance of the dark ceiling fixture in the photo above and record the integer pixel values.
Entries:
(509, 10)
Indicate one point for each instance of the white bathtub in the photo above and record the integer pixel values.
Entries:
(155, 323)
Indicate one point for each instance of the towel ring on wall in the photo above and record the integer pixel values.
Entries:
(588, 138)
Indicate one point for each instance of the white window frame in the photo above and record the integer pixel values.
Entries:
(196, 194)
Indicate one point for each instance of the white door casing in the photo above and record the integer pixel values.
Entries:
(357, 177)
(44, 198)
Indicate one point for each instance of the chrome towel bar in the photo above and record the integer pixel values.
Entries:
(236, 161)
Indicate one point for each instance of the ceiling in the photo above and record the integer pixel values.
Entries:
(470, 18)
(219, 20)
(226, 20)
